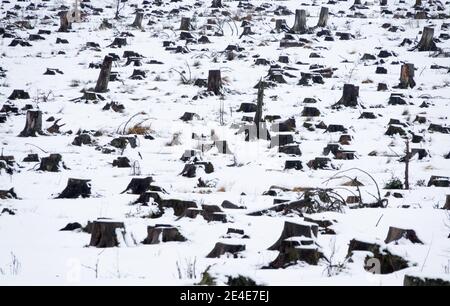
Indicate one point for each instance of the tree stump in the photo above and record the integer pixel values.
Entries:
(383, 2)
(292, 252)
(426, 43)
(162, 233)
(300, 22)
(417, 281)
(138, 20)
(222, 248)
(396, 234)
(104, 234)
(76, 188)
(349, 96)
(323, 17)
(215, 82)
(407, 76)
(447, 203)
(33, 125)
(119, 42)
(138, 185)
(64, 23)
(8, 194)
(50, 163)
(19, 94)
(103, 78)
(179, 207)
(295, 230)
(216, 4)
(280, 26)
(185, 24)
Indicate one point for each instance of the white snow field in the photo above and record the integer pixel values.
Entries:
(33, 250)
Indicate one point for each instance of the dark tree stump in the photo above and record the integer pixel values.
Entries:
(19, 94)
(213, 213)
(162, 233)
(104, 234)
(76, 188)
(105, 72)
(222, 248)
(323, 17)
(8, 194)
(349, 96)
(51, 163)
(185, 24)
(295, 230)
(138, 20)
(31, 158)
(119, 42)
(82, 139)
(138, 185)
(215, 82)
(447, 203)
(300, 22)
(64, 23)
(292, 252)
(179, 207)
(122, 162)
(33, 125)
(216, 4)
(71, 227)
(396, 234)
(247, 31)
(228, 205)
(383, 2)
(416, 281)
(407, 76)
(281, 26)
(426, 43)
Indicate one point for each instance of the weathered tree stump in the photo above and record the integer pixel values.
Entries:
(104, 234)
(33, 125)
(8, 194)
(222, 248)
(323, 17)
(396, 234)
(300, 22)
(229, 205)
(281, 26)
(349, 96)
(216, 4)
(121, 162)
(447, 203)
(292, 252)
(19, 94)
(138, 185)
(76, 188)
(138, 20)
(185, 24)
(64, 23)
(295, 230)
(103, 78)
(180, 207)
(383, 2)
(162, 233)
(51, 163)
(417, 281)
(407, 76)
(82, 139)
(426, 43)
(215, 82)
(119, 42)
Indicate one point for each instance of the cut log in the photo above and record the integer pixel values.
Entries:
(105, 72)
(51, 163)
(162, 233)
(138, 185)
(104, 234)
(76, 188)
(426, 43)
(215, 82)
(396, 234)
(33, 125)
(138, 20)
(349, 96)
(185, 24)
(64, 23)
(323, 17)
(222, 248)
(300, 22)
(295, 230)
(407, 77)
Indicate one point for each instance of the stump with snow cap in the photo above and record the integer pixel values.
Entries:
(104, 233)
(426, 43)
(396, 234)
(292, 251)
(76, 188)
(33, 125)
(51, 163)
(350, 96)
(162, 233)
(223, 248)
(138, 185)
(416, 281)
(295, 230)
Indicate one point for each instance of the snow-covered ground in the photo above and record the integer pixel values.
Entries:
(33, 250)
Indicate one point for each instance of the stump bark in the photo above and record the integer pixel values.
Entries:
(300, 22)
(426, 42)
(162, 233)
(64, 23)
(185, 24)
(323, 17)
(295, 230)
(214, 81)
(105, 72)
(349, 96)
(222, 248)
(76, 188)
(407, 76)
(396, 234)
(104, 234)
(33, 125)
(138, 20)
(138, 185)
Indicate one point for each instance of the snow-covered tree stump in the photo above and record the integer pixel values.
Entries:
(426, 43)
(50, 163)
(216, 4)
(300, 22)
(215, 82)
(76, 188)
(222, 248)
(407, 76)
(323, 17)
(33, 125)
(349, 96)
(295, 230)
(162, 233)
(396, 234)
(139, 185)
(64, 23)
(105, 72)
(104, 233)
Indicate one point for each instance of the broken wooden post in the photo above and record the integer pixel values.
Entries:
(300, 22)
(105, 72)
(349, 96)
(407, 157)
(323, 17)
(407, 76)
(104, 233)
(426, 42)
(76, 188)
(214, 81)
(33, 125)
(185, 24)
(138, 20)
(162, 233)
(64, 23)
